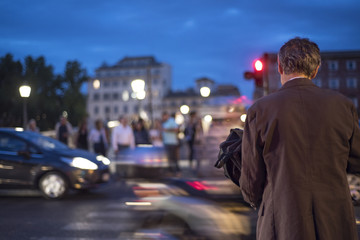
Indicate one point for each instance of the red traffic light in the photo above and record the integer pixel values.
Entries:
(258, 65)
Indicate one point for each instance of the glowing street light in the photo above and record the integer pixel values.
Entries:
(25, 91)
(184, 109)
(96, 84)
(208, 118)
(138, 85)
(205, 91)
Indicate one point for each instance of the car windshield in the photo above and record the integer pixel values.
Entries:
(43, 141)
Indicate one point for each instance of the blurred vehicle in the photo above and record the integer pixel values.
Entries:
(193, 209)
(31, 160)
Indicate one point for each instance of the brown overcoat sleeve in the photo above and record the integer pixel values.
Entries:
(354, 154)
(253, 171)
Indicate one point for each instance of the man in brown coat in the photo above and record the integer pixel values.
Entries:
(297, 146)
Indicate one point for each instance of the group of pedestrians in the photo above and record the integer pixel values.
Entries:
(162, 133)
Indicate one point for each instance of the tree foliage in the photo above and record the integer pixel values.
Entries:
(51, 94)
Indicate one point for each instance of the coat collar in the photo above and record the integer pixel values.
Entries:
(297, 82)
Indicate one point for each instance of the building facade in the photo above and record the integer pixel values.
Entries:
(339, 71)
(110, 92)
(224, 102)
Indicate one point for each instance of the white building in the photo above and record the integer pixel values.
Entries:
(110, 93)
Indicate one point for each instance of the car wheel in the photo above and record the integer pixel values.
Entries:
(354, 185)
(53, 185)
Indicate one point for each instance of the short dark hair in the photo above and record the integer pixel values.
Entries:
(299, 55)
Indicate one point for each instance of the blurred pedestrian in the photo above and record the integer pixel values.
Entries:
(170, 140)
(155, 134)
(63, 130)
(192, 129)
(98, 138)
(82, 136)
(141, 134)
(295, 153)
(32, 126)
(122, 136)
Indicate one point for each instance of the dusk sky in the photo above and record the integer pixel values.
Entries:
(204, 38)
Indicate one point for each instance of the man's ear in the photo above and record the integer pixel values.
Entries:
(315, 72)
(280, 69)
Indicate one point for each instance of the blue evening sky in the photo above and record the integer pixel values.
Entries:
(198, 38)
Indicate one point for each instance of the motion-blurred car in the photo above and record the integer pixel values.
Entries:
(30, 160)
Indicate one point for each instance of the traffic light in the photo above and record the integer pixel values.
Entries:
(258, 72)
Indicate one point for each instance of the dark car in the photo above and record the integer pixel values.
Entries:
(31, 160)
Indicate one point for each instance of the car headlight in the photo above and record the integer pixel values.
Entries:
(81, 163)
(103, 159)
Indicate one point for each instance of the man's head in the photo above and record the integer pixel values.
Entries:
(299, 57)
(165, 116)
(123, 120)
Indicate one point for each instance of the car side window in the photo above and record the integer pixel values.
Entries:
(11, 144)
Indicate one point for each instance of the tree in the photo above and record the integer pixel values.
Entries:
(10, 80)
(50, 94)
(74, 102)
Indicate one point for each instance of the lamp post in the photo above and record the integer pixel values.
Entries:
(24, 93)
(138, 87)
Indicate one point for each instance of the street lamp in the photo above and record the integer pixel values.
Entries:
(205, 91)
(138, 87)
(184, 109)
(24, 93)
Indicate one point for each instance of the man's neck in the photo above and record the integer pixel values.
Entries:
(287, 77)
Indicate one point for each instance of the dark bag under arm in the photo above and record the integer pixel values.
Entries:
(229, 157)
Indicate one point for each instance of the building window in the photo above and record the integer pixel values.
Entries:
(96, 110)
(106, 96)
(317, 82)
(106, 84)
(96, 97)
(115, 96)
(351, 65)
(107, 109)
(126, 109)
(351, 82)
(115, 83)
(116, 109)
(333, 65)
(334, 83)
